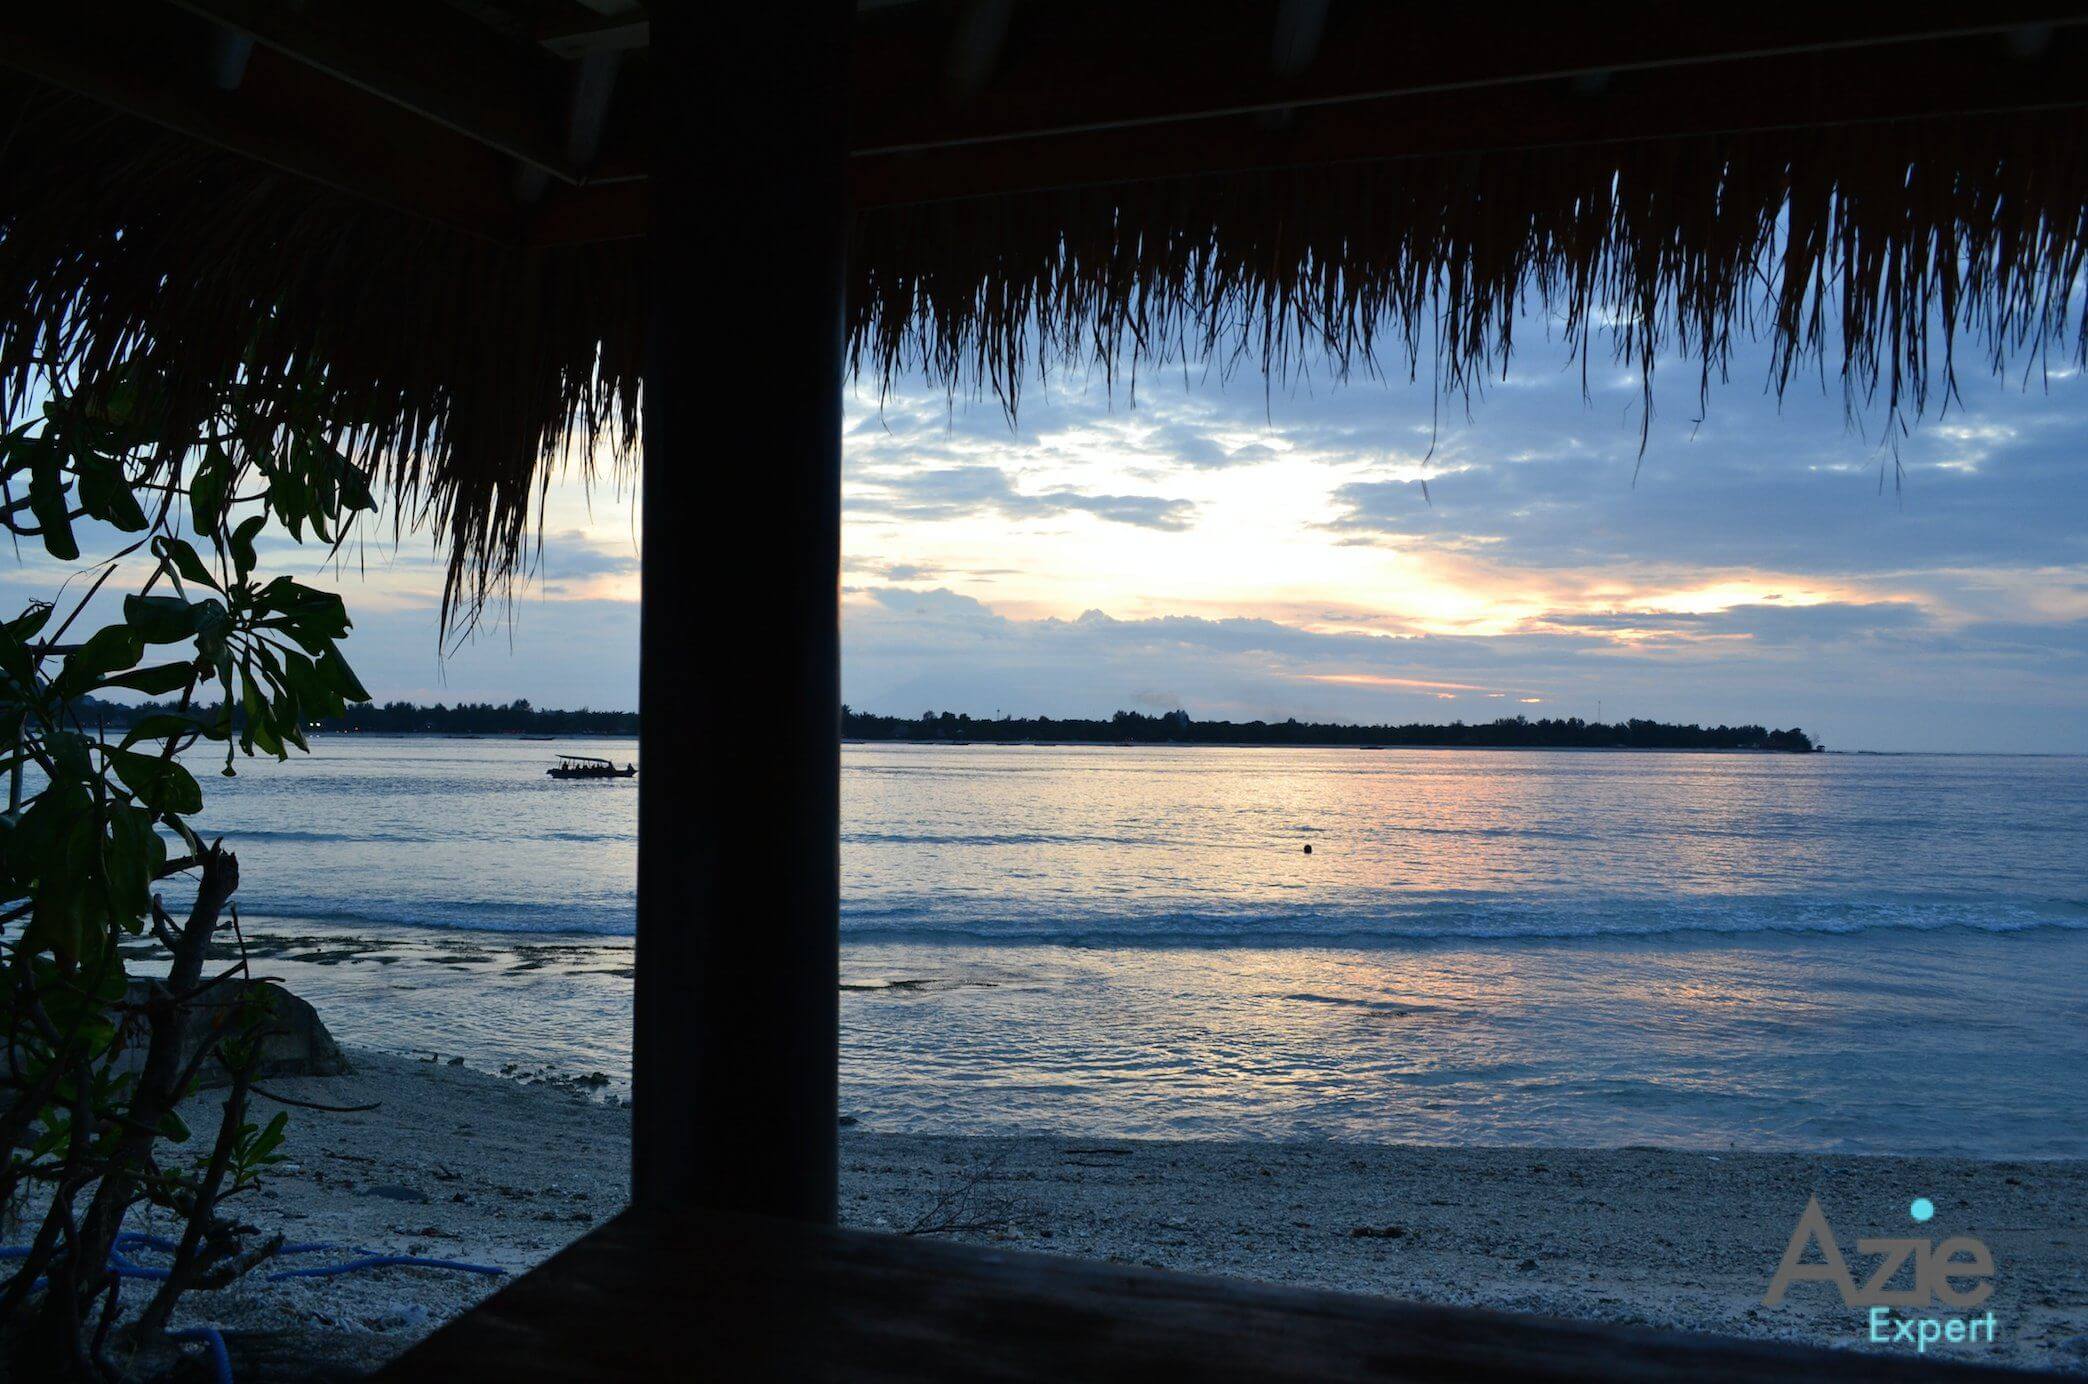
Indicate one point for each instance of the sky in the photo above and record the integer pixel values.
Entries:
(1356, 552)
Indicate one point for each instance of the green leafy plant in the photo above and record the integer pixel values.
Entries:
(98, 1059)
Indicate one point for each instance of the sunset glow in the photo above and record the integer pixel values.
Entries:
(1358, 553)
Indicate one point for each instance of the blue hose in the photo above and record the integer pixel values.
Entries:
(214, 1341)
(363, 1259)
(384, 1261)
(214, 1344)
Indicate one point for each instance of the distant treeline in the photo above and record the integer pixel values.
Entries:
(1177, 728)
(405, 718)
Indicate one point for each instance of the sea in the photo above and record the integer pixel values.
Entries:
(1850, 953)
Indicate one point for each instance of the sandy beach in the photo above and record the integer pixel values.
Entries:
(466, 1165)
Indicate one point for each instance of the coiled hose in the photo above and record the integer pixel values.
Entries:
(213, 1340)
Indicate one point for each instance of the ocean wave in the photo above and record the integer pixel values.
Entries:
(1362, 926)
(1000, 838)
(1440, 922)
(453, 915)
(1174, 839)
(406, 835)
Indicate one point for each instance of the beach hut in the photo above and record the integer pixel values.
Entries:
(493, 222)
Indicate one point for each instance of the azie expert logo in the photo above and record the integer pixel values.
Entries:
(1957, 1273)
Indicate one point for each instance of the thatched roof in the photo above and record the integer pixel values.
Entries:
(1862, 241)
(1891, 231)
(470, 366)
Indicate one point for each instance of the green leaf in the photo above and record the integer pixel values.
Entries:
(307, 612)
(109, 981)
(15, 447)
(260, 721)
(335, 672)
(164, 725)
(276, 686)
(59, 905)
(243, 559)
(48, 503)
(186, 561)
(160, 784)
(213, 633)
(44, 823)
(128, 861)
(105, 494)
(15, 635)
(69, 753)
(207, 490)
(271, 1137)
(29, 623)
(160, 619)
(285, 711)
(314, 695)
(291, 499)
(224, 677)
(355, 488)
(106, 651)
(156, 681)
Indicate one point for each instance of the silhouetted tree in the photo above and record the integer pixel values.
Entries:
(1178, 728)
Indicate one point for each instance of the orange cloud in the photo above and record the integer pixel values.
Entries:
(1381, 680)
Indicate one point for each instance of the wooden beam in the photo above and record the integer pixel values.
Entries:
(1937, 80)
(650, 1297)
(735, 1031)
(152, 62)
(1089, 65)
(1931, 80)
(428, 59)
(1061, 109)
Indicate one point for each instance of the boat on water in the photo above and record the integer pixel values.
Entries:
(580, 766)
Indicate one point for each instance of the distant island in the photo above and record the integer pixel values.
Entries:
(405, 718)
(1125, 727)
(1178, 728)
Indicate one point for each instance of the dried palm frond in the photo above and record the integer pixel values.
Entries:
(470, 370)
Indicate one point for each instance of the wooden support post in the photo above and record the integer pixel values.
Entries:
(739, 784)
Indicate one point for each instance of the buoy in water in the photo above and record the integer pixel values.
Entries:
(1308, 848)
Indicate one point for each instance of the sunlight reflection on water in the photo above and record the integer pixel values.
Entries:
(1817, 952)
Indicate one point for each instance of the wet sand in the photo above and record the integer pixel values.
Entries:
(466, 1165)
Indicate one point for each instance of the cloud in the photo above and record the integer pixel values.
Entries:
(1760, 559)
(1359, 551)
(1762, 622)
(572, 555)
(905, 651)
(1793, 488)
(1143, 511)
(959, 492)
(573, 565)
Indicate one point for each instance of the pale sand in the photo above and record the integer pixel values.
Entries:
(464, 1165)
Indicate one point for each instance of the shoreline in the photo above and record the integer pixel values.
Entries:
(528, 736)
(951, 742)
(1411, 1043)
(464, 1165)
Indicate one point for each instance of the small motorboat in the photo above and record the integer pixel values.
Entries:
(580, 766)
